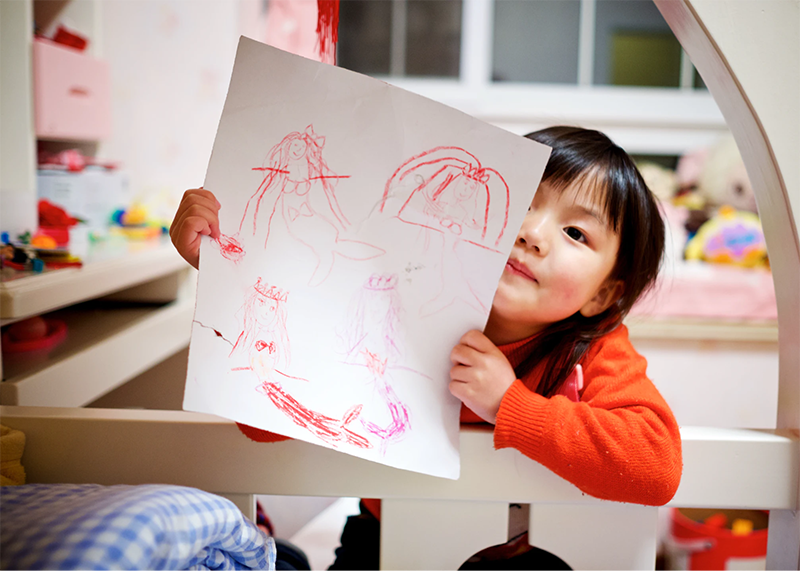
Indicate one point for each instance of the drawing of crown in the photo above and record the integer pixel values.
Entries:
(311, 138)
(476, 173)
(378, 282)
(272, 292)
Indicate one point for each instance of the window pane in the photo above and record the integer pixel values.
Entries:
(634, 45)
(364, 35)
(698, 81)
(433, 38)
(536, 40)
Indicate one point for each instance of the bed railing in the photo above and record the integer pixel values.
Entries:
(427, 522)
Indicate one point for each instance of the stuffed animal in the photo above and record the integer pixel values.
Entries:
(660, 180)
(724, 181)
(712, 177)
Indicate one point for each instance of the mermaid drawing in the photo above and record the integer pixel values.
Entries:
(264, 341)
(298, 185)
(370, 339)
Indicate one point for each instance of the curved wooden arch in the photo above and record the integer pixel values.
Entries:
(748, 54)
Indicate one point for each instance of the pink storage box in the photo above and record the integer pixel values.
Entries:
(72, 93)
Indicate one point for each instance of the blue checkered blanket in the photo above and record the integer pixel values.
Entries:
(65, 526)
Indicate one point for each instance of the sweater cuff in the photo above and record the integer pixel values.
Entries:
(258, 435)
(521, 420)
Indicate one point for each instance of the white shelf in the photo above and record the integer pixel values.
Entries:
(689, 329)
(108, 270)
(105, 348)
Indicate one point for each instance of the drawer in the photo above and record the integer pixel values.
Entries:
(72, 93)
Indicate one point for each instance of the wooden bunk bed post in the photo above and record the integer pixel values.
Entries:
(748, 54)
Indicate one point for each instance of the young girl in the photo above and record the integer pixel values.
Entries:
(553, 370)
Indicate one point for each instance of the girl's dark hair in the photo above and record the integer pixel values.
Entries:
(590, 159)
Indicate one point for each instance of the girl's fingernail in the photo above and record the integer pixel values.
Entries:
(219, 205)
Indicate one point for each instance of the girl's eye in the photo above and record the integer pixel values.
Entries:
(575, 234)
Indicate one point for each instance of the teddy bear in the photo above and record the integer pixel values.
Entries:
(723, 180)
(711, 177)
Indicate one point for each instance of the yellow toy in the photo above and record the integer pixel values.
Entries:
(730, 237)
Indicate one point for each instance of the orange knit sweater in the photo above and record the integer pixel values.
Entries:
(620, 442)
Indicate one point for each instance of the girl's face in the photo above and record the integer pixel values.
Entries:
(265, 311)
(297, 148)
(465, 187)
(560, 264)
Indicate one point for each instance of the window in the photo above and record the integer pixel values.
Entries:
(600, 42)
(633, 45)
(411, 38)
(365, 30)
(524, 64)
(536, 41)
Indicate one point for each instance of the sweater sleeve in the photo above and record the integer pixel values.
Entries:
(258, 435)
(620, 442)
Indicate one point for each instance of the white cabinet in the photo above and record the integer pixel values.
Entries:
(108, 342)
(106, 345)
(18, 141)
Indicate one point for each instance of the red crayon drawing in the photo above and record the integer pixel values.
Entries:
(264, 341)
(264, 337)
(371, 340)
(230, 248)
(298, 185)
(325, 428)
(448, 191)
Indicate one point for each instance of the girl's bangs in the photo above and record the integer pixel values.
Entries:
(594, 187)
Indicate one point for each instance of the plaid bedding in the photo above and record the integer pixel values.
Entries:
(66, 526)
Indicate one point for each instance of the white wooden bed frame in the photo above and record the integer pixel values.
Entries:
(749, 55)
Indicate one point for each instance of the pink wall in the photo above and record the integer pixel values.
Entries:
(170, 66)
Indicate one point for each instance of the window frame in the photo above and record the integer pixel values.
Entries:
(644, 120)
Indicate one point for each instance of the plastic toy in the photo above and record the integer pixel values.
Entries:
(55, 222)
(19, 257)
(730, 237)
(44, 242)
(33, 338)
(701, 539)
(134, 224)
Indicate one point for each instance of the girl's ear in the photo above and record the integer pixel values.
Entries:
(608, 293)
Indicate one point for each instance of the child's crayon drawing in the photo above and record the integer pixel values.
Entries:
(363, 230)
(264, 342)
(370, 339)
(298, 185)
(230, 248)
(447, 191)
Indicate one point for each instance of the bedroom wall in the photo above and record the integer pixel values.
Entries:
(170, 67)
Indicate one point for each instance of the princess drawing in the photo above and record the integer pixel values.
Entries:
(447, 192)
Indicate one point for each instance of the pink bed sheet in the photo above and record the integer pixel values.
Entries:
(710, 291)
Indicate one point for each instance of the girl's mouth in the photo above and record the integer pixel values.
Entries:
(519, 269)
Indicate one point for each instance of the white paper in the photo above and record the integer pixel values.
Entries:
(365, 229)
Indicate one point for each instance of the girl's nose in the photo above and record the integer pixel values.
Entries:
(533, 234)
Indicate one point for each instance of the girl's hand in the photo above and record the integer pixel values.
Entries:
(480, 375)
(197, 215)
